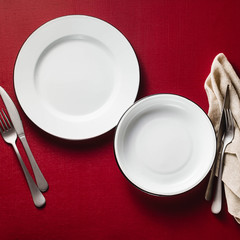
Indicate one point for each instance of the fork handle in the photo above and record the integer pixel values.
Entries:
(217, 201)
(41, 181)
(37, 196)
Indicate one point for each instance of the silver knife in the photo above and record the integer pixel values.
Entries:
(208, 193)
(17, 123)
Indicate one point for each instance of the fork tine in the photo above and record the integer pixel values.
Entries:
(226, 117)
(231, 120)
(3, 123)
(6, 118)
(1, 126)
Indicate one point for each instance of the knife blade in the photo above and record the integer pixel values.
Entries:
(226, 103)
(17, 123)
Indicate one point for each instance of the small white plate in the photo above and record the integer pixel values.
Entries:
(165, 144)
(75, 76)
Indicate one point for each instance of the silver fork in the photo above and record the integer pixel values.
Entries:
(10, 136)
(227, 138)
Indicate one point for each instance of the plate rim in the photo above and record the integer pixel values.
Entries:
(176, 192)
(133, 57)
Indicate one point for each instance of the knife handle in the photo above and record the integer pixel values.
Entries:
(209, 190)
(41, 181)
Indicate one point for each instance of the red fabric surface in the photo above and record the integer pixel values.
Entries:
(88, 198)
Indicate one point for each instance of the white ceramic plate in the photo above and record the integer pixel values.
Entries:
(165, 144)
(75, 76)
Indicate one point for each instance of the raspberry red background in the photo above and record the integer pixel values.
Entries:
(175, 42)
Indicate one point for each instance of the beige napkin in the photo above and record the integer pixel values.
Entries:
(221, 75)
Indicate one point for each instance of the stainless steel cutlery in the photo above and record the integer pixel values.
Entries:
(10, 129)
(10, 136)
(209, 190)
(17, 123)
(227, 138)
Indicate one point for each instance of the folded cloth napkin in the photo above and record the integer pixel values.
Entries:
(221, 75)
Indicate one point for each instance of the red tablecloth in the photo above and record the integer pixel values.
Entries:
(88, 198)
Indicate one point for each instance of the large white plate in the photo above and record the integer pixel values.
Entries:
(165, 144)
(75, 76)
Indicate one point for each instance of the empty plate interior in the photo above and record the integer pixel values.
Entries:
(165, 144)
